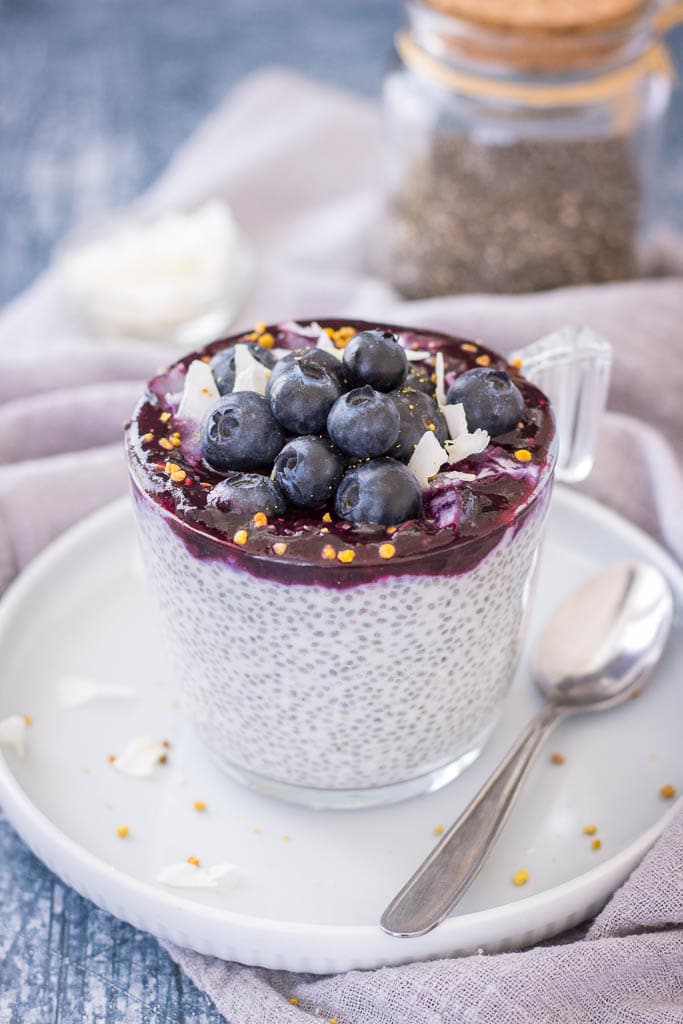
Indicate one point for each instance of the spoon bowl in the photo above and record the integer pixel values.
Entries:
(603, 642)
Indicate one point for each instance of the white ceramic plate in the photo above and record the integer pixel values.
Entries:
(310, 902)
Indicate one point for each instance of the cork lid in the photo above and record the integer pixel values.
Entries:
(541, 15)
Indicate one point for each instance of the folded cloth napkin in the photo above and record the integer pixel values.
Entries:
(298, 163)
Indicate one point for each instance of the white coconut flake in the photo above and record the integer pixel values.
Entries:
(456, 419)
(13, 733)
(440, 379)
(427, 458)
(326, 344)
(416, 355)
(199, 392)
(190, 876)
(454, 474)
(141, 756)
(75, 691)
(303, 331)
(250, 375)
(467, 444)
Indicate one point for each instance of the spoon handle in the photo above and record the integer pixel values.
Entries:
(449, 870)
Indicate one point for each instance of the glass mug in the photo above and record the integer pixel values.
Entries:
(381, 690)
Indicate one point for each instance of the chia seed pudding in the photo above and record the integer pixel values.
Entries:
(322, 657)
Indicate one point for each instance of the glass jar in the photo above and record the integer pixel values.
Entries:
(520, 150)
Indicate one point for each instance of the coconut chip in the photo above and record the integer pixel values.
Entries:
(250, 375)
(13, 733)
(199, 392)
(427, 458)
(141, 756)
(467, 444)
(190, 876)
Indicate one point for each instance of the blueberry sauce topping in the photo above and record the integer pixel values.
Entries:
(325, 515)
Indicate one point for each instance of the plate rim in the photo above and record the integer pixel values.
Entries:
(33, 824)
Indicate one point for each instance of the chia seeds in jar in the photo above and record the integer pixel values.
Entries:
(521, 140)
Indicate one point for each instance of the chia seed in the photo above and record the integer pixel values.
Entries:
(515, 217)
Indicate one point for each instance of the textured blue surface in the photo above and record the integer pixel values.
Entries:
(94, 98)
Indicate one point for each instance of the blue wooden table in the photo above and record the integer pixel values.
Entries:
(95, 95)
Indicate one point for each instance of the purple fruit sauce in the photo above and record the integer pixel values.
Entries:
(462, 520)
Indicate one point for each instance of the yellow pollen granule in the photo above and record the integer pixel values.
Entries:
(430, 426)
(347, 555)
(523, 455)
(327, 518)
(266, 340)
(391, 529)
(260, 327)
(122, 831)
(483, 360)
(178, 475)
(468, 347)
(166, 444)
(194, 861)
(28, 720)
(175, 440)
(438, 830)
(279, 548)
(260, 519)
(521, 877)
(517, 363)
(590, 830)
(148, 437)
(241, 537)
(667, 792)
(387, 551)
(293, 1000)
(171, 467)
(199, 805)
(557, 758)
(165, 417)
(286, 837)
(596, 844)
(328, 552)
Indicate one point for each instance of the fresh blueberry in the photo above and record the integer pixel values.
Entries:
(308, 471)
(302, 395)
(376, 358)
(382, 491)
(492, 401)
(418, 413)
(364, 423)
(420, 379)
(315, 355)
(223, 364)
(240, 432)
(247, 493)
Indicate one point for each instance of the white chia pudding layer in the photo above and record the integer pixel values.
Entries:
(339, 689)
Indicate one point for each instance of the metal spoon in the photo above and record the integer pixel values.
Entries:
(598, 650)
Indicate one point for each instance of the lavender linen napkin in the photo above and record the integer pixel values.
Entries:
(63, 396)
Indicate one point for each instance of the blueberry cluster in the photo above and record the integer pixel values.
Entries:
(331, 431)
(326, 431)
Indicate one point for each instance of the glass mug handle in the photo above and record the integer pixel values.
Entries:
(572, 366)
